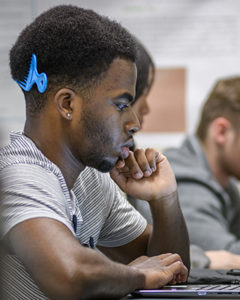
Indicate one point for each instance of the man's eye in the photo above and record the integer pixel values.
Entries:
(122, 106)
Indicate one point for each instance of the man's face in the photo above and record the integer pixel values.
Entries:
(102, 134)
(140, 106)
(230, 158)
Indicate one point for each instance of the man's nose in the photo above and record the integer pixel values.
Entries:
(133, 125)
(145, 109)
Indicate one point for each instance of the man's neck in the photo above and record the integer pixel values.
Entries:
(53, 146)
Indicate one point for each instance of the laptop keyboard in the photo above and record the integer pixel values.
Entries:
(217, 287)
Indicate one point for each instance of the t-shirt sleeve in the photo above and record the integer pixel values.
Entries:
(31, 192)
(124, 223)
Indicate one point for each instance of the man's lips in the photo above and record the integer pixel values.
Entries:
(125, 152)
(125, 149)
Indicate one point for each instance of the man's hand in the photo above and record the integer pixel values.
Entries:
(160, 270)
(145, 174)
(221, 259)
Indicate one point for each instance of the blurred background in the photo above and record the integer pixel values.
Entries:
(193, 43)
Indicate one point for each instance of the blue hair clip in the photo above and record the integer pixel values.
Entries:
(34, 77)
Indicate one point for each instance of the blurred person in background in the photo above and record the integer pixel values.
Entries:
(209, 197)
(207, 169)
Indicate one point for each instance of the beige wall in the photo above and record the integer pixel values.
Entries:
(167, 102)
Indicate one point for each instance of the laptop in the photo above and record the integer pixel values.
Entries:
(198, 291)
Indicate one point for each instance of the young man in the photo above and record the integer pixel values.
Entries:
(206, 167)
(78, 76)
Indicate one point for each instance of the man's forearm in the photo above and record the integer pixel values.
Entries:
(112, 280)
(89, 276)
(63, 269)
(169, 229)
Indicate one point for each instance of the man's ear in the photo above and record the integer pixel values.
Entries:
(221, 127)
(65, 100)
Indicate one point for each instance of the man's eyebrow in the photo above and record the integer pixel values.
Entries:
(126, 96)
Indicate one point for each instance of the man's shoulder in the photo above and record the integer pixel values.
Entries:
(23, 152)
(19, 147)
(190, 165)
(12, 154)
(186, 157)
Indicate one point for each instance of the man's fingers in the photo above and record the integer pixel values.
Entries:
(168, 260)
(140, 163)
(154, 157)
(151, 156)
(132, 167)
(120, 163)
(179, 271)
(143, 161)
(119, 178)
(163, 256)
(138, 260)
(176, 266)
(161, 269)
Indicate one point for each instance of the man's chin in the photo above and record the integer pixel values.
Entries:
(106, 166)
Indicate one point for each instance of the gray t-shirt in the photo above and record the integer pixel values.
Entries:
(35, 187)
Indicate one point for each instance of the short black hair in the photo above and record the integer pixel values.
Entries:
(143, 64)
(73, 46)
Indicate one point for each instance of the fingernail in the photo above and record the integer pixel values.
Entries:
(138, 174)
(147, 173)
